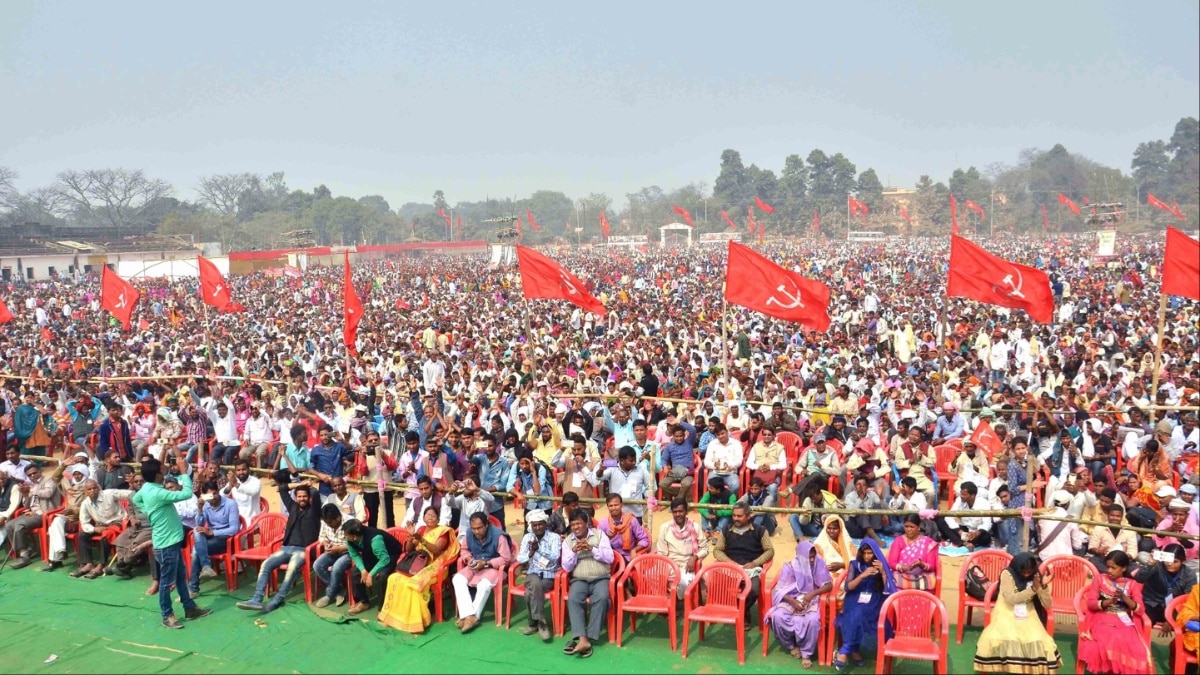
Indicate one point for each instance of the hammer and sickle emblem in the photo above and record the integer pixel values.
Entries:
(1010, 287)
(121, 301)
(567, 285)
(795, 300)
(217, 290)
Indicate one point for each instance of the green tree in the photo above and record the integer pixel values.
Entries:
(870, 191)
(732, 189)
(1151, 167)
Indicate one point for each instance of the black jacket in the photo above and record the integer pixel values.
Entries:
(303, 525)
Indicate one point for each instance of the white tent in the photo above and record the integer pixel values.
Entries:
(666, 231)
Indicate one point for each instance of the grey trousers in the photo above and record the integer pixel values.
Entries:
(581, 590)
(535, 597)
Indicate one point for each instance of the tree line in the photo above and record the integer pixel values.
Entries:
(251, 211)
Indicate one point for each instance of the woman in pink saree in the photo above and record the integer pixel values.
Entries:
(914, 557)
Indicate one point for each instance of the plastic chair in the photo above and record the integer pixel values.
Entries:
(256, 543)
(263, 506)
(1071, 574)
(791, 443)
(1079, 607)
(727, 587)
(516, 590)
(915, 616)
(43, 532)
(992, 562)
(831, 607)
(1180, 658)
(563, 580)
(311, 553)
(227, 559)
(946, 453)
(655, 578)
(696, 478)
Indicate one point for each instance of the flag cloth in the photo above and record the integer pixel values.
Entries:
(460, 225)
(687, 217)
(5, 314)
(117, 296)
(605, 228)
(976, 208)
(1045, 220)
(1176, 211)
(953, 215)
(763, 206)
(353, 311)
(517, 223)
(979, 275)
(755, 282)
(541, 277)
(401, 304)
(732, 225)
(984, 437)
(1160, 204)
(1063, 199)
(816, 222)
(212, 285)
(449, 223)
(532, 222)
(750, 219)
(904, 215)
(1181, 265)
(858, 208)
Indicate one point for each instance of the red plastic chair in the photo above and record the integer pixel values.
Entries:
(516, 590)
(831, 607)
(1180, 657)
(1079, 607)
(263, 506)
(311, 553)
(498, 595)
(992, 562)
(563, 580)
(227, 559)
(655, 578)
(696, 479)
(256, 543)
(791, 443)
(728, 586)
(1071, 574)
(946, 453)
(43, 532)
(915, 617)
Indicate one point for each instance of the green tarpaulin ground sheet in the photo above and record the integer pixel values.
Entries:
(111, 626)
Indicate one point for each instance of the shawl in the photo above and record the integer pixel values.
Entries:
(841, 547)
(623, 530)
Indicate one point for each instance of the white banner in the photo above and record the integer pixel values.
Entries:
(627, 239)
(719, 237)
(1108, 242)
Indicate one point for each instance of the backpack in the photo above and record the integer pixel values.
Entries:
(977, 582)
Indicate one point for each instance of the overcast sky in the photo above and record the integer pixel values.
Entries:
(502, 99)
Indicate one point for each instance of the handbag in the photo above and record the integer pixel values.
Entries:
(977, 582)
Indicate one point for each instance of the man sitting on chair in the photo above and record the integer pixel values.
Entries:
(587, 556)
(540, 550)
(303, 528)
(748, 545)
(488, 552)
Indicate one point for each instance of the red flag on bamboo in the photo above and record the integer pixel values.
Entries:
(605, 228)
(352, 311)
(763, 206)
(1175, 208)
(1160, 204)
(460, 226)
(517, 223)
(858, 208)
(816, 222)
(905, 216)
(1181, 265)
(732, 225)
(979, 275)
(1045, 220)
(449, 223)
(532, 222)
(1063, 199)
(755, 282)
(953, 215)
(6, 315)
(117, 296)
(986, 438)
(687, 217)
(213, 290)
(750, 219)
(541, 277)
(976, 208)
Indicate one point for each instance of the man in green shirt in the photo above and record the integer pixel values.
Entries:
(167, 537)
(375, 554)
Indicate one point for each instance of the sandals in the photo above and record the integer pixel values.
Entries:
(93, 574)
(585, 653)
(78, 573)
(569, 649)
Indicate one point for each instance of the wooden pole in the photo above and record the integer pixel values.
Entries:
(724, 343)
(1158, 347)
(1027, 529)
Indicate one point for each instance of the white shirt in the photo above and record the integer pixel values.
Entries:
(1062, 544)
(730, 453)
(971, 523)
(258, 429)
(246, 496)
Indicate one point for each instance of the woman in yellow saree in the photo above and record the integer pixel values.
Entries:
(406, 605)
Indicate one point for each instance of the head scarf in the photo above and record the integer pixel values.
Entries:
(825, 543)
(1018, 562)
(857, 567)
(801, 567)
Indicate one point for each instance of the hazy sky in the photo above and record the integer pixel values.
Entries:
(502, 99)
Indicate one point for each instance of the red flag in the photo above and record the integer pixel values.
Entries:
(816, 222)
(401, 304)
(352, 311)
(687, 217)
(605, 228)
(1045, 220)
(755, 282)
(212, 285)
(904, 215)
(765, 207)
(1181, 265)
(1176, 211)
(732, 225)
(858, 208)
(233, 308)
(517, 222)
(984, 437)
(979, 275)
(460, 225)
(541, 277)
(1063, 199)
(750, 219)
(5, 314)
(1160, 204)
(117, 296)
(532, 222)
(976, 208)
(953, 215)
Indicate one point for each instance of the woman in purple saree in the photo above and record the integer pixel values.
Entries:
(795, 615)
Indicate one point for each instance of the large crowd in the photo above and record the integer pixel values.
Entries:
(500, 411)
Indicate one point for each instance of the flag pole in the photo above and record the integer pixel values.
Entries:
(724, 342)
(1158, 347)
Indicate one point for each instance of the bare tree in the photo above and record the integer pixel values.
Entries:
(8, 191)
(113, 197)
(221, 191)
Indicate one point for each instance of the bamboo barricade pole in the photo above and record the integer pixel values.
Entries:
(1037, 514)
(1158, 346)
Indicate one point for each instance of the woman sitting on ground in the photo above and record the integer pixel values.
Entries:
(406, 604)
(1016, 640)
